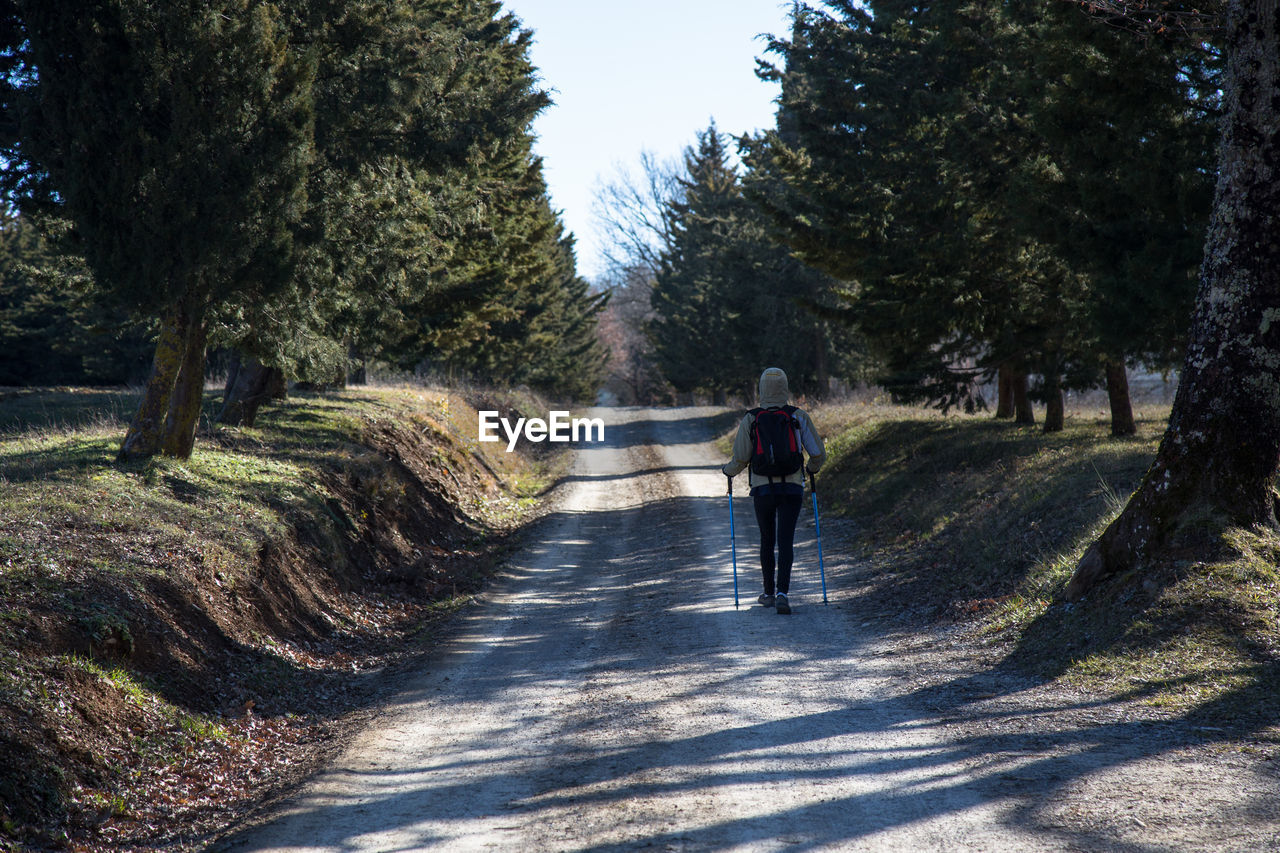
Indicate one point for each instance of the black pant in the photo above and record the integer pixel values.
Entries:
(777, 515)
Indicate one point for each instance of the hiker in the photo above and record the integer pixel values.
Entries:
(769, 440)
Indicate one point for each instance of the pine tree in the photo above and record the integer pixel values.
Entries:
(1216, 466)
(1122, 190)
(176, 139)
(889, 171)
(698, 295)
(412, 100)
(722, 279)
(53, 329)
(933, 160)
(511, 306)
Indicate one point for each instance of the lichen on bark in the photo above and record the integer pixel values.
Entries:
(1219, 455)
(145, 435)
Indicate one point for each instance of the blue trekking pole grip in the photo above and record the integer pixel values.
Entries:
(733, 545)
(817, 531)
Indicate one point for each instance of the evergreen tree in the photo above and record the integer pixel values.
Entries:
(1122, 190)
(358, 167)
(700, 290)
(1216, 466)
(53, 329)
(176, 139)
(412, 99)
(723, 282)
(920, 145)
(889, 171)
(512, 307)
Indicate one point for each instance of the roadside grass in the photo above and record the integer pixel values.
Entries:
(162, 619)
(25, 409)
(979, 521)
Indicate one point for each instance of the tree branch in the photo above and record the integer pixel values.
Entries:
(1159, 17)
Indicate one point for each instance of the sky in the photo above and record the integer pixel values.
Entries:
(630, 76)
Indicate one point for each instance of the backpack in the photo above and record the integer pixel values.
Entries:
(775, 451)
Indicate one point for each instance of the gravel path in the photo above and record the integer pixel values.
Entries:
(605, 696)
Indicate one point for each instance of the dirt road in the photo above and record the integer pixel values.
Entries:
(606, 696)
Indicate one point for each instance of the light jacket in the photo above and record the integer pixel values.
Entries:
(774, 392)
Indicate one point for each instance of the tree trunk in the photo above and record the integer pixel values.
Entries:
(252, 387)
(145, 435)
(1004, 392)
(188, 394)
(1022, 410)
(1055, 405)
(277, 385)
(1118, 393)
(233, 371)
(1218, 457)
(718, 397)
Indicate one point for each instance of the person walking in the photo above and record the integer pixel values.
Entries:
(772, 439)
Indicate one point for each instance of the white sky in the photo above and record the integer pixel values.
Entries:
(633, 76)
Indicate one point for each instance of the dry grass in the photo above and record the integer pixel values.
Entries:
(168, 629)
(981, 521)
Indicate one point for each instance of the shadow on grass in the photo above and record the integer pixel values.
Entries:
(66, 459)
(969, 513)
(1171, 636)
(24, 409)
(972, 509)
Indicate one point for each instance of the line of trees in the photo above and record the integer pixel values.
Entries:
(1007, 190)
(1050, 189)
(308, 184)
(953, 193)
(1032, 187)
(703, 293)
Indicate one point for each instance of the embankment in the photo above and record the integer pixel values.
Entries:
(979, 522)
(181, 639)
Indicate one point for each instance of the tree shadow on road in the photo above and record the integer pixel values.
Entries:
(942, 734)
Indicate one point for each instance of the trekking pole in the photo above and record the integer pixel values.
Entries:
(817, 531)
(733, 545)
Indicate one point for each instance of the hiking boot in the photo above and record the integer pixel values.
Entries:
(766, 599)
(780, 602)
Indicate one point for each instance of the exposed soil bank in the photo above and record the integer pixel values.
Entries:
(180, 641)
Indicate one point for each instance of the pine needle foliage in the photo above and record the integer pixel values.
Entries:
(995, 184)
(301, 180)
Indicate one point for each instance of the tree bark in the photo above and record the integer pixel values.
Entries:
(277, 385)
(1023, 413)
(1055, 405)
(1004, 392)
(145, 435)
(1217, 460)
(188, 395)
(233, 371)
(253, 385)
(1118, 393)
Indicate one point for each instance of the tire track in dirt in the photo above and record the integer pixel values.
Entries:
(605, 696)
